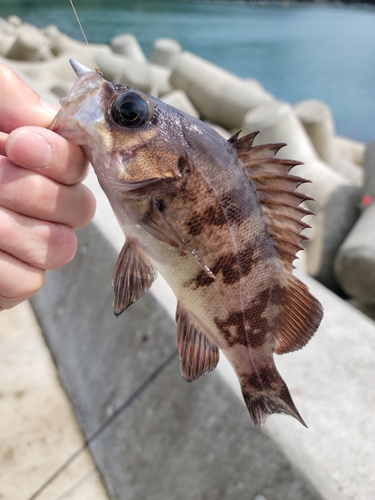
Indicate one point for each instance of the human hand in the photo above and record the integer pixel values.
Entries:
(41, 197)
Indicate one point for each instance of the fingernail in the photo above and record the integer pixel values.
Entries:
(50, 107)
(29, 149)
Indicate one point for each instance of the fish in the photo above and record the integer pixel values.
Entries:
(220, 220)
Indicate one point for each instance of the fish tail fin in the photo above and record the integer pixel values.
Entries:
(272, 397)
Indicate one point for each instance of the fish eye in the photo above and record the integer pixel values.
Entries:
(130, 110)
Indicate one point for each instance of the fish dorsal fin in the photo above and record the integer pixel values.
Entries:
(155, 223)
(280, 202)
(132, 277)
(277, 194)
(198, 355)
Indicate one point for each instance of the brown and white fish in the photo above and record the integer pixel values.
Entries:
(220, 220)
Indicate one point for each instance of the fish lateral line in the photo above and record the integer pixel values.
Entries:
(97, 69)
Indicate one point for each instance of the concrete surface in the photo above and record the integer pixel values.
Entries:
(38, 431)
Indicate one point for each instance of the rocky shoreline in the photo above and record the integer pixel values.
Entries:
(341, 251)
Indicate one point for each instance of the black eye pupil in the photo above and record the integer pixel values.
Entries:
(130, 110)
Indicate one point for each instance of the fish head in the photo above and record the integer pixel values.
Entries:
(132, 139)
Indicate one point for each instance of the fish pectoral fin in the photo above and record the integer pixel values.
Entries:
(300, 317)
(132, 277)
(198, 355)
(157, 225)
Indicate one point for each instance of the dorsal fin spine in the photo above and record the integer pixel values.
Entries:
(276, 190)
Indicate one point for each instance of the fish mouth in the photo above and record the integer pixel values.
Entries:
(120, 185)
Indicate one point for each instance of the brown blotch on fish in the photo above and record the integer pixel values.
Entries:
(211, 216)
(233, 212)
(264, 377)
(249, 327)
(233, 266)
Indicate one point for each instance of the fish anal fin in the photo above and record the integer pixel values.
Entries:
(155, 223)
(198, 355)
(132, 277)
(276, 190)
(300, 318)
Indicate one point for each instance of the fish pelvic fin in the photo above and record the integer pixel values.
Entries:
(132, 277)
(267, 397)
(198, 355)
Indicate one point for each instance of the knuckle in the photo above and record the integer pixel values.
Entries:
(61, 246)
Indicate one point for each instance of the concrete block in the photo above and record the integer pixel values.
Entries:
(127, 45)
(3, 24)
(256, 86)
(14, 21)
(180, 100)
(369, 169)
(120, 69)
(63, 45)
(172, 440)
(355, 262)
(6, 42)
(165, 51)
(29, 45)
(148, 78)
(317, 119)
(351, 172)
(218, 95)
(350, 150)
(367, 309)
(336, 199)
(160, 80)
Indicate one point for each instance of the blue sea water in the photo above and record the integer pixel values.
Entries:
(296, 51)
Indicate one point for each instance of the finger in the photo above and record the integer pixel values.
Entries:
(39, 197)
(48, 153)
(39, 243)
(3, 139)
(18, 280)
(20, 105)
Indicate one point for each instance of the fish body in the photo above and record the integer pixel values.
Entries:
(220, 220)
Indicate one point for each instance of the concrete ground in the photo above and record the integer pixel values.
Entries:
(38, 430)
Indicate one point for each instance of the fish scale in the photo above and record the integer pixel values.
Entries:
(220, 220)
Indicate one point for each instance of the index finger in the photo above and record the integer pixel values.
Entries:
(19, 104)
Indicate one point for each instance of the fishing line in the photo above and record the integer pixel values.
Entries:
(97, 69)
(106, 424)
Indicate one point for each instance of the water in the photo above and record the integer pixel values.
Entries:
(296, 52)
